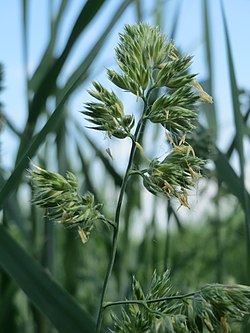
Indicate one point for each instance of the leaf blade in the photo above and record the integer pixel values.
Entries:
(45, 293)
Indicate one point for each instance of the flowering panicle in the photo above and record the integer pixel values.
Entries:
(107, 114)
(141, 49)
(212, 308)
(63, 203)
(148, 62)
(176, 174)
(173, 73)
(176, 111)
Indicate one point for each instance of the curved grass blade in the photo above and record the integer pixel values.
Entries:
(139, 14)
(6, 306)
(86, 172)
(53, 121)
(114, 174)
(12, 209)
(47, 57)
(45, 294)
(227, 175)
(47, 85)
(11, 184)
(239, 129)
(233, 143)
(175, 23)
(83, 69)
(25, 39)
(210, 112)
(51, 125)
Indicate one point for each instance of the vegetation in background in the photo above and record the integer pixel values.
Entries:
(217, 250)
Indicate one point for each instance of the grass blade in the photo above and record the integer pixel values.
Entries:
(227, 175)
(235, 96)
(47, 85)
(233, 143)
(83, 69)
(46, 294)
(11, 184)
(47, 58)
(210, 111)
(109, 168)
(239, 128)
(176, 17)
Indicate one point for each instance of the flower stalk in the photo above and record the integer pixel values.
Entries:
(117, 214)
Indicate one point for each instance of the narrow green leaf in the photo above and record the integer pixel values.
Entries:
(46, 294)
(12, 210)
(105, 160)
(227, 175)
(234, 94)
(8, 123)
(25, 35)
(82, 70)
(6, 304)
(175, 20)
(86, 172)
(51, 125)
(47, 58)
(63, 158)
(239, 129)
(47, 85)
(139, 14)
(233, 143)
(11, 184)
(210, 111)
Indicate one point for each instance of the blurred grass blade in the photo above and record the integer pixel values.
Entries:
(6, 305)
(83, 69)
(210, 110)
(175, 20)
(53, 121)
(47, 85)
(63, 158)
(47, 57)
(105, 160)
(109, 168)
(86, 172)
(12, 210)
(46, 294)
(139, 15)
(88, 12)
(227, 175)
(11, 184)
(233, 143)
(25, 38)
(239, 129)
(51, 125)
(208, 41)
(235, 96)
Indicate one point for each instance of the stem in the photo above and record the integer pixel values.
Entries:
(137, 135)
(149, 301)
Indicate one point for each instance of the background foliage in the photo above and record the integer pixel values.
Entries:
(216, 248)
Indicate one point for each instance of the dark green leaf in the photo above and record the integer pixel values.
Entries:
(43, 291)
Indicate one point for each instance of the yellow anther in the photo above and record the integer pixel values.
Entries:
(168, 187)
(182, 197)
(84, 235)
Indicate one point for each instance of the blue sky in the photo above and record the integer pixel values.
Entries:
(189, 37)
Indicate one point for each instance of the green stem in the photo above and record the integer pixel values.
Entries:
(137, 135)
(149, 301)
